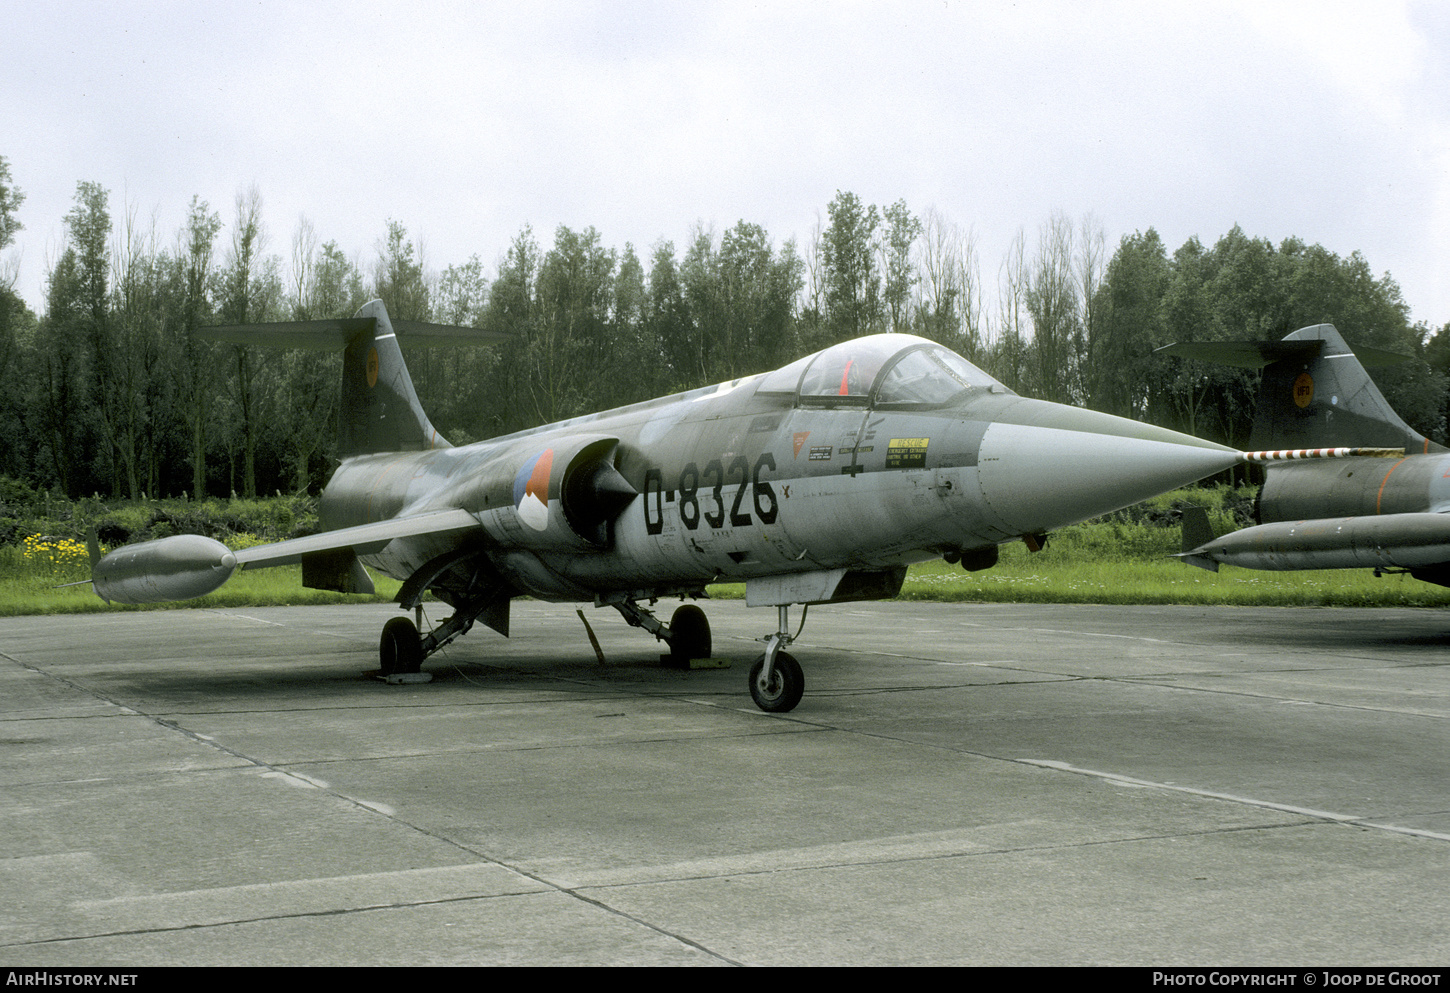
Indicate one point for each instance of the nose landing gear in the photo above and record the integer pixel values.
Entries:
(776, 680)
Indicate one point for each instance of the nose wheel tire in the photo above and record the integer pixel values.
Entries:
(400, 650)
(783, 691)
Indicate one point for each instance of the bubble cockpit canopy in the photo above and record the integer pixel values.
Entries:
(881, 369)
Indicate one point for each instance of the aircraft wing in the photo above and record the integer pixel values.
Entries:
(362, 538)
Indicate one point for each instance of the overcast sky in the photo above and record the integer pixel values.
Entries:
(466, 121)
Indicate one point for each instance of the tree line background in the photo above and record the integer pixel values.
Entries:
(110, 390)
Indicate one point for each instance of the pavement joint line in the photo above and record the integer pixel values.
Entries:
(542, 886)
(1081, 634)
(700, 869)
(1162, 681)
(1147, 783)
(1048, 674)
(235, 921)
(572, 892)
(1297, 817)
(375, 811)
(1310, 812)
(78, 687)
(311, 633)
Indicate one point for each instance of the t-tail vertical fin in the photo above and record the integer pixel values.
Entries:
(1315, 391)
(1327, 398)
(379, 409)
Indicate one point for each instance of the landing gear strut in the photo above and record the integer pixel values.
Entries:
(687, 634)
(776, 681)
(402, 649)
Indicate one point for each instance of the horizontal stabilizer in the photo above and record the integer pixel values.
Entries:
(1258, 354)
(337, 333)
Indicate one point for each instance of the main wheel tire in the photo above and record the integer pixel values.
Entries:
(787, 684)
(400, 650)
(689, 635)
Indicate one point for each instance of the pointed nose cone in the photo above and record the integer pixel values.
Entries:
(1046, 465)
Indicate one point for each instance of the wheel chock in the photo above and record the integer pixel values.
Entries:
(397, 678)
(668, 661)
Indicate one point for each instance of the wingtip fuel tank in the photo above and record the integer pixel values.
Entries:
(1396, 541)
(181, 567)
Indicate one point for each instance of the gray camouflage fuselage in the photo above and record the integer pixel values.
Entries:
(735, 483)
(818, 482)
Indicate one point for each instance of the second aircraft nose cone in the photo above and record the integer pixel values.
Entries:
(1053, 465)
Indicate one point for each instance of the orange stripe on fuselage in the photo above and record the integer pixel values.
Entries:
(1381, 494)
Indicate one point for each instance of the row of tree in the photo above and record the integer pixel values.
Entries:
(111, 389)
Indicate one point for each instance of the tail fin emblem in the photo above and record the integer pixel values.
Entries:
(1303, 390)
(372, 367)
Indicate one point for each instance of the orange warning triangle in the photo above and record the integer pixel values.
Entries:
(800, 440)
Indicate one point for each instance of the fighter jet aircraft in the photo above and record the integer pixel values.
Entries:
(1387, 511)
(819, 482)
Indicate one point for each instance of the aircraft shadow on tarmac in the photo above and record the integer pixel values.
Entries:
(1372, 635)
(345, 677)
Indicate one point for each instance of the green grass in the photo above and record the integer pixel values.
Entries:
(1071, 570)
(1124, 559)
(1120, 560)
(1058, 575)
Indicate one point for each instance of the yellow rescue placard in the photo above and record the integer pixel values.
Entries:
(906, 453)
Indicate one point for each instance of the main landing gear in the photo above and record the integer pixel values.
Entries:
(687, 634)
(401, 650)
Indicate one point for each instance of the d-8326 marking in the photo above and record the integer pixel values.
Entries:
(767, 505)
